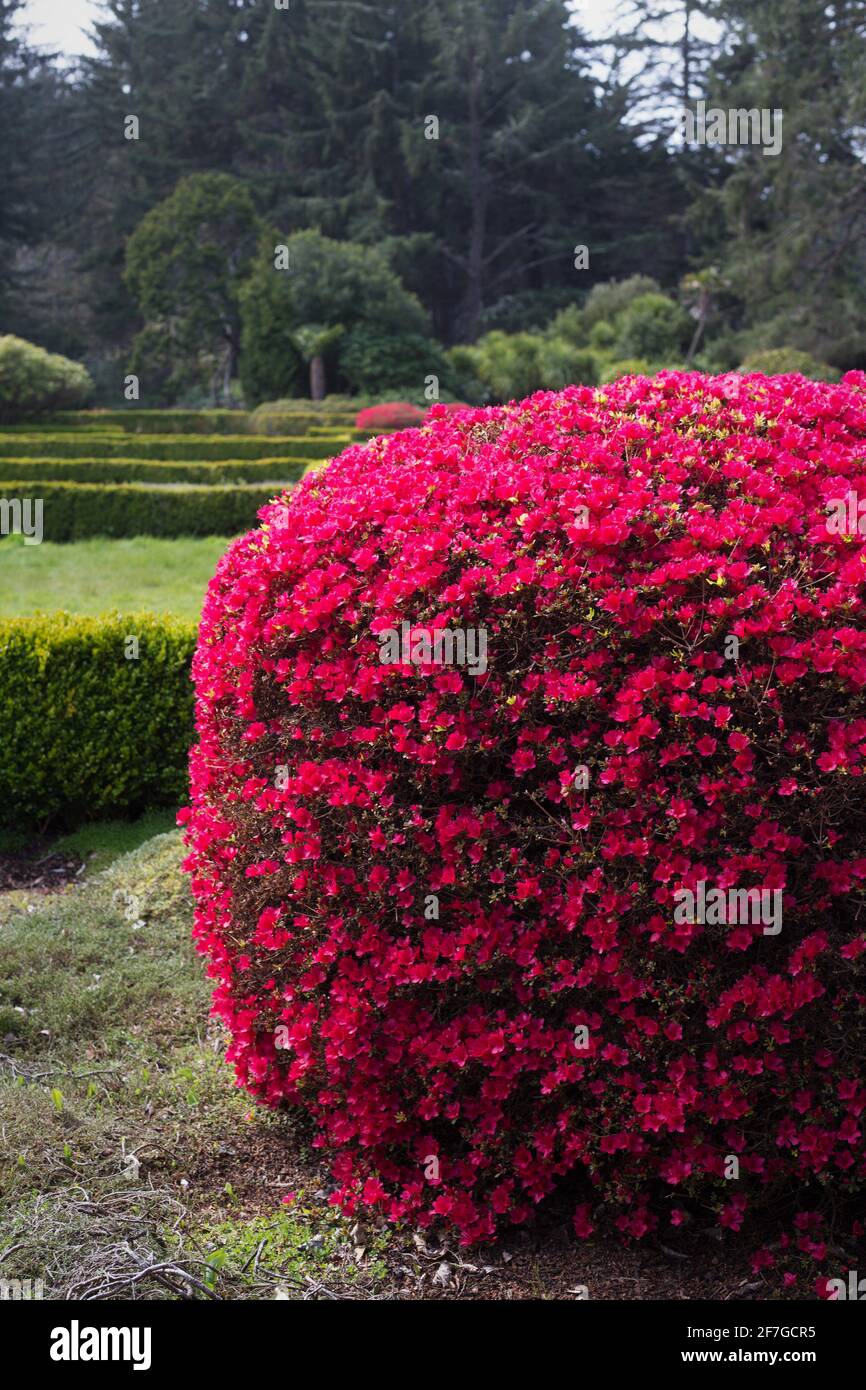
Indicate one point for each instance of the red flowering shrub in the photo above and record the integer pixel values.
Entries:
(393, 415)
(445, 408)
(443, 903)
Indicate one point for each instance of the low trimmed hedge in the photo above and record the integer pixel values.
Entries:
(76, 511)
(328, 431)
(159, 421)
(299, 419)
(290, 422)
(170, 448)
(52, 426)
(308, 425)
(86, 732)
(133, 470)
(282, 417)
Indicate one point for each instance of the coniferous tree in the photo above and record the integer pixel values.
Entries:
(788, 232)
(27, 84)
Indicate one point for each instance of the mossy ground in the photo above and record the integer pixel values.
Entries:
(120, 1125)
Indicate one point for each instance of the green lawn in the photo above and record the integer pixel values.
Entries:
(93, 576)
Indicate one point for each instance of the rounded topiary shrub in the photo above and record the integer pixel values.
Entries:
(34, 382)
(528, 828)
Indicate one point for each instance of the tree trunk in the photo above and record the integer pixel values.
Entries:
(317, 378)
(228, 366)
(703, 311)
(687, 53)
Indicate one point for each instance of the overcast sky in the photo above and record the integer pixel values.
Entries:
(58, 24)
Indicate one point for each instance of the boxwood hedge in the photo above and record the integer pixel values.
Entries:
(171, 448)
(96, 715)
(74, 511)
(135, 470)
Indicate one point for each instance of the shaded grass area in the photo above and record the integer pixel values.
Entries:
(101, 842)
(94, 576)
(130, 1165)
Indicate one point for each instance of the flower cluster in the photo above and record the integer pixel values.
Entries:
(392, 415)
(446, 408)
(439, 906)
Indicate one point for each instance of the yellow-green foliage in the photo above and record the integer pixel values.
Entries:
(627, 366)
(88, 728)
(34, 382)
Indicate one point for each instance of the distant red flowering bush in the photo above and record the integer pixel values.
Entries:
(393, 415)
(441, 907)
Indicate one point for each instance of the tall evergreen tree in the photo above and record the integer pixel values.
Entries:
(328, 112)
(27, 83)
(789, 232)
(177, 67)
(487, 205)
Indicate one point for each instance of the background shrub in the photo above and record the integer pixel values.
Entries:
(390, 415)
(635, 366)
(373, 361)
(653, 327)
(776, 361)
(270, 365)
(464, 363)
(577, 348)
(290, 416)
(456, 894)
(561, 364)
(509, 366)
(330, 285)
(84, 732)
(34, 382)
(604, 303)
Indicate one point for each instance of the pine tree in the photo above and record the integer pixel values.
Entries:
(789, 232)
(489, 202)
(24, 79)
